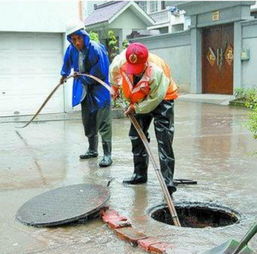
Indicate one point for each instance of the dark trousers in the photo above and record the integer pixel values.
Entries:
(97, 121)
(163, 116)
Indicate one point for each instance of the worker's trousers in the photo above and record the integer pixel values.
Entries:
(97, 121)
(163, 117)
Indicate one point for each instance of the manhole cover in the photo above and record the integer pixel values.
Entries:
(197, 215)
(63, 205)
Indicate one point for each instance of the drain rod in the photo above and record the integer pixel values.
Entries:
(157, 171)
(45, 101)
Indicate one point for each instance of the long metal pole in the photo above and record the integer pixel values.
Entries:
(44, 103)
(170, 204)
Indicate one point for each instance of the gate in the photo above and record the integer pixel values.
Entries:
(217, 59)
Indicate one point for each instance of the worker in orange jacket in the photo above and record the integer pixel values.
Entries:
(144, 80)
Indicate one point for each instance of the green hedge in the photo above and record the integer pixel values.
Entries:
(249, 99)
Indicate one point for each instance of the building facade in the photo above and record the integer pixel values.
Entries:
(121, 17)
(168, 18)
(32, 44)
(135, 18)
(218, 53)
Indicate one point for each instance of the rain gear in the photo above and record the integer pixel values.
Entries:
(96, 63)
(155, 85)
(163, 118)
(153, 98)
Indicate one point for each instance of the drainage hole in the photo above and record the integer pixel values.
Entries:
(197, 215)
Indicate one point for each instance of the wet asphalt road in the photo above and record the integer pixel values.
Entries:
(211, 146)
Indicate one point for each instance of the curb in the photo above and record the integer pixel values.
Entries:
(123, 228)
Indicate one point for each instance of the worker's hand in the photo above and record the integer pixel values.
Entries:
(115, 93)
(75, 74)
(63, 79)
(130, 110)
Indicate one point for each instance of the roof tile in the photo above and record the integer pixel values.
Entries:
(105, 13)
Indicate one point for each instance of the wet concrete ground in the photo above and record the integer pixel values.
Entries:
(211, 146)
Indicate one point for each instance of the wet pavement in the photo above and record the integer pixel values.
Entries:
(211, 146)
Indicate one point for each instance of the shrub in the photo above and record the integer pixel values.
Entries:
(252, 122)
(113, 44)
(249, 97)
(94, 36)
(125, 44)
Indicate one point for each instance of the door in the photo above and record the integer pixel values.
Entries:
(30, 66)
(217, 59)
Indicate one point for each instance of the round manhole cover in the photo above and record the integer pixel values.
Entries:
(197, 215)
(63, 205)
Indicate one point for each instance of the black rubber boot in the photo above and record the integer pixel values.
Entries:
(92, 149)
(136, 178)
(140, 172)
(107, 158)
(171, 189)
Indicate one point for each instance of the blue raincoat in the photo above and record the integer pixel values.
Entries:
(97, 64)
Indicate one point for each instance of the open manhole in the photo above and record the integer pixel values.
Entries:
(197, 215)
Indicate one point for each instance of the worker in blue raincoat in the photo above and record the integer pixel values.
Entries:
(86, 56)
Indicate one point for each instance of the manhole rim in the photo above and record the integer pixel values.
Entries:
(219, 207)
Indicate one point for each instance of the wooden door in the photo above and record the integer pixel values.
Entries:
(217, 59)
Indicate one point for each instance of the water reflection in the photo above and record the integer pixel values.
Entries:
(210, 144)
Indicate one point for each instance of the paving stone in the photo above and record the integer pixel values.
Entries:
(118, 223)
(145, 243)
(130, 234)
(125, 231)
(114, 220)
(160, 247)
(106, 211)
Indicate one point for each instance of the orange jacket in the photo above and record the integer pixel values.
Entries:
(138, 92)
(155, 85)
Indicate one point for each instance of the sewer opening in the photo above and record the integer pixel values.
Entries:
(197, 215)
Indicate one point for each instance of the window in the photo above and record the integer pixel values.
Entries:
(153, 6)
(163, 5)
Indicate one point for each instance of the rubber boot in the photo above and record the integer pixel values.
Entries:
(140, 172)
(92, 149)
(107, 158)
(171, 189)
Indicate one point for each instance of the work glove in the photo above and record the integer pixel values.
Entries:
(63, 79)
(115, 93)
(130, 110)
(76, 74)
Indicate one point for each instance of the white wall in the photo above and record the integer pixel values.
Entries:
(249, 42)
(175, 49)
(37, 15)
(43, 16)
